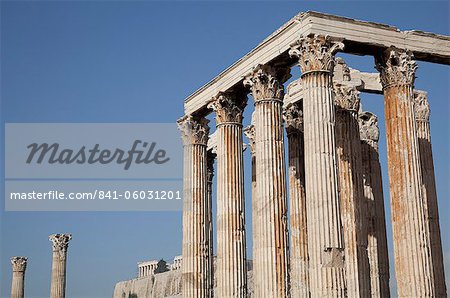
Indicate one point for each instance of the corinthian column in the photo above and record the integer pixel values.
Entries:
(299, 276)
(19, 265)
(413, 262)
(196, 267)
(351, 191)
(325, 238)
(231, 270)
(375, 217)
(271, 269)
(211, 156)
(422, 116)
(60, 243)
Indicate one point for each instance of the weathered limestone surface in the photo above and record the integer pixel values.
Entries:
(299, 274)
(351, 190)
(272, 256)
(19, 265)
(60, 244)
(326, 244)
(375, 216)
(196, 267)
(422, 116)
(231, 271)
(413, 262)
(360, 37)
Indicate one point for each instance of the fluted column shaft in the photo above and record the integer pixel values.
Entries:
(210, 168)
(231, 270)
(351, 191)
(299, 274)
(272, 254)
(60, 243)
(413, 263)
(325, 238)
(375, 215)
(196, 269)
(19, 265)
(422, 116)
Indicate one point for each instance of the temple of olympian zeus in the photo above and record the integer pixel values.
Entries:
(334, 243)
(60, 244)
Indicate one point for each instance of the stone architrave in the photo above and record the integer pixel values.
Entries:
(271, 272)
(412, 247)
(325, 236)
(60, 244)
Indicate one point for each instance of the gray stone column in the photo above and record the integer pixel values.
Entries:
(351, 190)
(196, 267)
(271, 278)
(60, 244)
(413, 262)
(231, 269)
(375, 216)
(211, 156)
(19, 265)
(325, 236)
(299, 274)
(422, 116)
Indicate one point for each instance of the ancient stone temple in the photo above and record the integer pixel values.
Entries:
(333, 241)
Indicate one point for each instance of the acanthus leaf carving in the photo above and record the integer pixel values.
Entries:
(266, 82)
(293, 118)
(315, 52)
(19, 263)
(60, 242)
(249, 132)
(368, 127)
(396, 67)
(194, 130)
(346, 97)
(228, 106)
(421, 106)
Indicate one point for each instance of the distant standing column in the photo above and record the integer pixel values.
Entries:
(413, 262)
(325, 236)
(373, 193)
(422, 115)
(60, 243)
(19, 265)
(196, 274)
(211, 156)
(231, 270)
(351, 191)
(266, 84)
(299, 274)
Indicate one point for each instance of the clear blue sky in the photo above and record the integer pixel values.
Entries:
(101, 61)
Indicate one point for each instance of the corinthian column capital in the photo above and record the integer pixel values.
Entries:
(396, 67)
(421, 106)
(60, 242)
(19, 264)
(315, 52)
(229, 107)
(266, 82)
(346, 97)
(194, 130)
(293, 118)
(368, 127)
(249, 132)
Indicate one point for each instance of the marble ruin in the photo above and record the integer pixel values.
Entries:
(19, 265)
(334, 244)
(60, 244)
